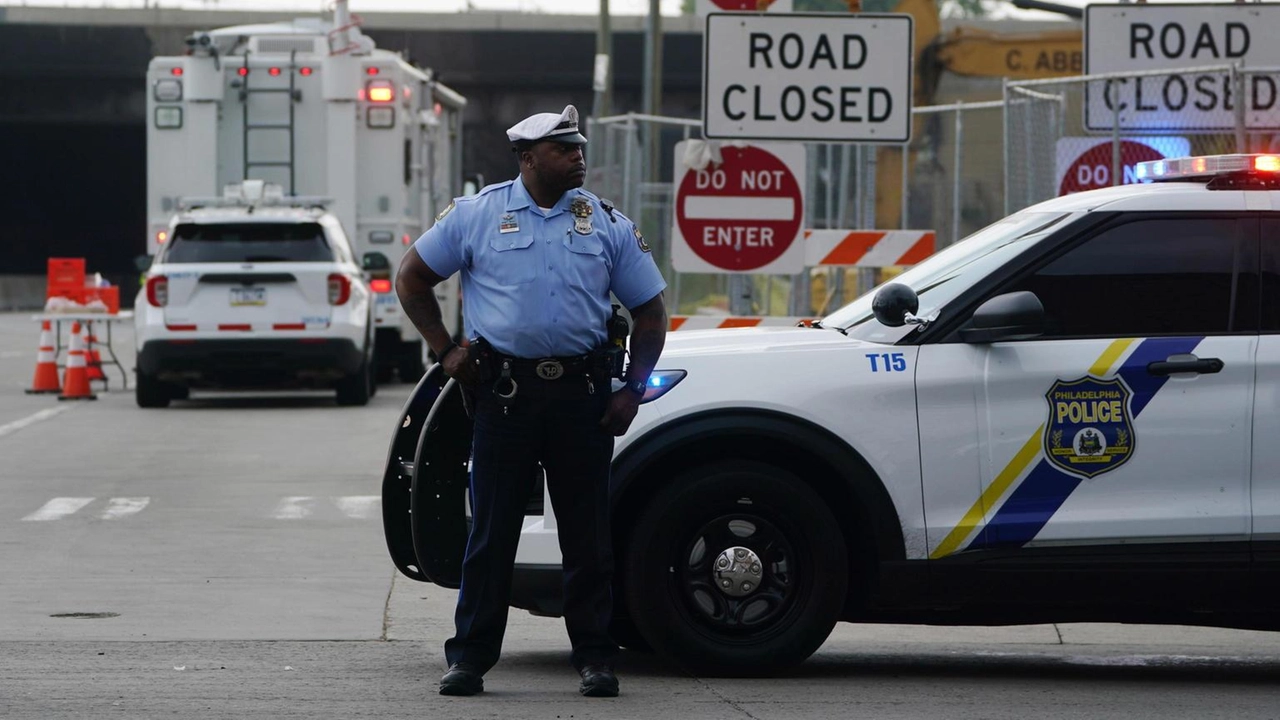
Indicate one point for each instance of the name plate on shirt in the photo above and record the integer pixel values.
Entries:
(508, 224)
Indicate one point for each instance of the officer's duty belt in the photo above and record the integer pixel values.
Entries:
(552, 368)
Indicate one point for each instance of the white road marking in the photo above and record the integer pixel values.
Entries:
(358, 506)
(58, 508)
(9, 354)
(120, 507)
(17, 425)
(294, 508)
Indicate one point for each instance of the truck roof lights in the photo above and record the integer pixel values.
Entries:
(176, 71)
(1206, 166)
(242, 71)
(381, 91)
(273, 72)
(305, 72)
(372, 71)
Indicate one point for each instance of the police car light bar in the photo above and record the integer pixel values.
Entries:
(1204, 166)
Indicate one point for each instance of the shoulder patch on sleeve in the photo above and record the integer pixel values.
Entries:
(644, 246)
(448, 209)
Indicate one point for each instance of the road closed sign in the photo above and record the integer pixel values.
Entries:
(824, 78)
(704, 7)
(1138, 37)
(742, 214)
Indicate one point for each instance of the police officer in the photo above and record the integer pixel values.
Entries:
(539, 257)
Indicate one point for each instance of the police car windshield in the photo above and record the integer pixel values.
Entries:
(248, 243)
(949, 272)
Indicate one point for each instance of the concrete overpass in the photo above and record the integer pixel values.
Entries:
(72, 103)
(72, 133)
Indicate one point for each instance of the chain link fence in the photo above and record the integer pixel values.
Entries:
(967, 165)
(1210, 110)
(948, 179)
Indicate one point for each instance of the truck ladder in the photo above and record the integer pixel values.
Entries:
(293, 96)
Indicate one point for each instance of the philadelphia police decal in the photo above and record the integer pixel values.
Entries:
(1090, 428)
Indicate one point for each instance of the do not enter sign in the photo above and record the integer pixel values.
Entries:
(743, 214)
(1085, 163)
(709, 6)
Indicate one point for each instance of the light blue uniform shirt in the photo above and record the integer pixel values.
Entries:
(532, 284)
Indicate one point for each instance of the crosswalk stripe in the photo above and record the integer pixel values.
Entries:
(120, 507)
(17, 425)
(294, 508)
(357, 506)
(59, 508)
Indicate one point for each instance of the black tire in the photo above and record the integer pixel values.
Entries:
(150, 392)
(672, 592)
(356, 388)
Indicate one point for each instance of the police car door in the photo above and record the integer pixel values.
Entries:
(1266, 455)
(1128, 420)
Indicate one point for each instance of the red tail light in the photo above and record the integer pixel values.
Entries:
(158, 291)
(339, 289)
(380, 286)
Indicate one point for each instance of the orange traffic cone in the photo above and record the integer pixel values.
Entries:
(46, 379)
(76, 385)
(92, 360)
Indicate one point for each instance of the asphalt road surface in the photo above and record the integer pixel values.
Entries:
(224, 558)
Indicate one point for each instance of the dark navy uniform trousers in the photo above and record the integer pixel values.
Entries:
(555, 422)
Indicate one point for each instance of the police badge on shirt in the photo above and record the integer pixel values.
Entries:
(581, 210)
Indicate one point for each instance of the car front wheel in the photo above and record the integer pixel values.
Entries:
(736, 568)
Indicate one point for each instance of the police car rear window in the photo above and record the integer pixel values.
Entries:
(248, 243)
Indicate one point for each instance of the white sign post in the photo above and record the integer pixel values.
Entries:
(1137, 37)
(809, 77)
(703, 7)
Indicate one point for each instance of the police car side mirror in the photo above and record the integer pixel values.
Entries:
(1011, 316)
(893, 303)
(143, 262)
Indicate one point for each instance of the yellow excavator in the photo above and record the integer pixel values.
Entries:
(972, 52)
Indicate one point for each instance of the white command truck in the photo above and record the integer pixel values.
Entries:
(315, 108)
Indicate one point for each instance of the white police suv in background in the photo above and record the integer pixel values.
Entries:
(254, 290)
(1069, 416)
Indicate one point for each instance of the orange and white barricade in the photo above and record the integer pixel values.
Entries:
(712, 322)
(867, 248)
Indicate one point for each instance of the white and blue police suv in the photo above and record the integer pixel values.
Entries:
(1068, 416)
(254, 290)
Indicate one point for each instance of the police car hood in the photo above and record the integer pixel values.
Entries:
(737, 341)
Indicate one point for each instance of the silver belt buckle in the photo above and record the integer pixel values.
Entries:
(550, 369)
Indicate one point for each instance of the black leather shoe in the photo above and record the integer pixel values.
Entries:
(462, 679)
(598, 681)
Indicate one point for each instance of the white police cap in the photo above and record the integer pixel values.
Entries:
(562, 127)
